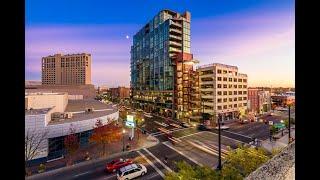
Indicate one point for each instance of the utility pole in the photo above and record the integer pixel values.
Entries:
(219, 134)
(289, 135)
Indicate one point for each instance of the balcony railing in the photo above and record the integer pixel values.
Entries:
(175, 37)
(175, 30)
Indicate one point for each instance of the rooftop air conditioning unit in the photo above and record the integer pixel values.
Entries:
(68, 115)
(89, 110)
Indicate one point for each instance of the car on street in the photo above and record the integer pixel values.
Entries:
(244, 121)
(202, 127)
(117, 164)
(223, 127)
(131, 171)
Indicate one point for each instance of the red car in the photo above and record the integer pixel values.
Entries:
(117, 164)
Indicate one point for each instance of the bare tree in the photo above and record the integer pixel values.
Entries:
(33, 141)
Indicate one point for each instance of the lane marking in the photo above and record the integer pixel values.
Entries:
(82, 174)
(228, 137)
(165, 166)
(238, 134)
(171, 130)
(191, 159)
(151, 163)
(190, 134)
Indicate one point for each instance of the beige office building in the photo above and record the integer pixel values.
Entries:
(222, 90)
(70, 69)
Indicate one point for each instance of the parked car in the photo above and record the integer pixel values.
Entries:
(131, 171)
(117, 164)
(202, 127)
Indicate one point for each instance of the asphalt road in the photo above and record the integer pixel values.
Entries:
(257, 130)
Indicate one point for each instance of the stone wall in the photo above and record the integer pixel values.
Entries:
(280, 167)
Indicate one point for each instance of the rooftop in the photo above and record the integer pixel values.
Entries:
(37, 111)
(83, 104)
(84, 116)
(217, 64)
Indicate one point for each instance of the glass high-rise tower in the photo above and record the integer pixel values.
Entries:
(162, 66)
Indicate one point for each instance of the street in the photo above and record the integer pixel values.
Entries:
(190, 145)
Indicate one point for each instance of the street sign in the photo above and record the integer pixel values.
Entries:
(271, 123)
(130, 124)
(279, 125)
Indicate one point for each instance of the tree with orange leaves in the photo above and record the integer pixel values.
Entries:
(71, 143)
(105, 134)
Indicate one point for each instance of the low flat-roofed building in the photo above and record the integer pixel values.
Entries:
(80, 114)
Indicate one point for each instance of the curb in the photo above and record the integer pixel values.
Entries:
(65, 168)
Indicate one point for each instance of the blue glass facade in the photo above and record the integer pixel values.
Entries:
(153, 65)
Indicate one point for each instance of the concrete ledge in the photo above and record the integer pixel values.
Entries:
(279, 167)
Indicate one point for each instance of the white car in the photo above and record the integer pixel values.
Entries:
(131, 171)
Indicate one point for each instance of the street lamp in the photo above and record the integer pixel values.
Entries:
(289, 135)
(123, 132)
(219, 142)
(282, 128)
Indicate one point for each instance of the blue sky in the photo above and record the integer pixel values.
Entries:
(257, 36)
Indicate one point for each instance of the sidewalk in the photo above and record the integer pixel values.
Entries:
(280, 143)
(94, 150)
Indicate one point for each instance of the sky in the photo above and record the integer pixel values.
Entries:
(258, 36)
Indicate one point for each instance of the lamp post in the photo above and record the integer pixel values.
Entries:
(289, 135)
(282, 128)
(219, 142)
(123, 132)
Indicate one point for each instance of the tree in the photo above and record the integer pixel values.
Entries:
(33, 144)
(188, 172)
(105, 134)
(238, 164)
(71, 143)
(243, 160)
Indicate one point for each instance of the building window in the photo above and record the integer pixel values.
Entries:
(240, 86)
(244, 104)
(225, 99)
(230, 85)
(239, 80)
(235, 99)
(225, 86)
(235, 86)
(230, 99)
(225, 79)
(240, 92)
(230, 106)
(244, 98)
(245, 80)
(219, 71)
(219, 100)
(235, 80)
(225, 92)
(219, 107)
(235, 105)
(230, 92)
(225, 72)
(244, 92)
(240, 99)
(235, 92)
(219, 78)
(219, 85)
(225, 107)
(220, 93)
(230, 79)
